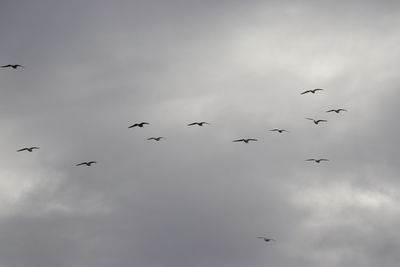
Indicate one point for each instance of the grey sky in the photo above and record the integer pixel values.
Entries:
(196, 199)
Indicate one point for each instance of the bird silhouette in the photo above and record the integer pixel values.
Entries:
(12, 66)
(316, 121)
(312, 91)
(245, 140)
(266, 239)
(87, 163)
(156, 138)
(317, 160)
(30, 149)
(279, 130)
(138, 124)
(198, 123)
(336, 110)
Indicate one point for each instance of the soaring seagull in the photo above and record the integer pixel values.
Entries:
(156, 138)
(317, 160)
(279, 130)
(312, 91)
(198, 123)
(12, 66)
(336, 110)
(245, 140)
(138, 124)
(30, 149)
(87, 163)
(316, 121)
(266, 239)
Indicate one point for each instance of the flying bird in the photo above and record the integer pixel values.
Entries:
(12, 66)
(30, 149)
(312, 91)
(156, 138)
(279, 130)
(245, 140)
(317, 160)
(336, 110)
(87, 163)
(316, 121)
(266, 239)
(138, 124)
(198, 123)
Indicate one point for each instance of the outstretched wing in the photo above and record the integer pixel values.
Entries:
(323, 159)
(310, 159)
(238, 140)
(6, 66)
(252, 139)
(35, 147)
(305, 92)
(134, 125)
(22, 149)
(193, 123)
(80, 164)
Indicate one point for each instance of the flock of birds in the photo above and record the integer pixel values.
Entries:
(202, 123)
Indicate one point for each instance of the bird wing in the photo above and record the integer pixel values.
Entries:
(274, 130)
(252, 139)
(324, 160)
(310, 119)
(318, 89)
(35, 147)
(90, 162)
(193, 123)
(238, 140)
(342, 109)
(22, 149)
(80, 164)
(322, 120)
(6, 66)
(331, 110)
(310, 159)
(305, 92)
(134, 125)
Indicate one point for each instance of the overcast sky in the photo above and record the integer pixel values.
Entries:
(196, 199)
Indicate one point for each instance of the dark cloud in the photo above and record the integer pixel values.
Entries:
(95, 67)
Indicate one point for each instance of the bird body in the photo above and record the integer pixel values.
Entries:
(245, 140)
(87, 163)
(266, 239)
(279, 130)
(15, 66)
(317, 160)
(336, 110)
(141, 124)
(198, 123)
(316, 121)
(30, 149)
(156, 138)
(312, 91)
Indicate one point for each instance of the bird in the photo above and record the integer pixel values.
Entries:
(336, 110)
(30, 149)
(312, 91)
(138, 124)
(87, 163)
(156, 138)
(316, 121)
(15, 66)
(279, 130)
(266, 239)
(317, 160)
(198, 123)
(245, 140)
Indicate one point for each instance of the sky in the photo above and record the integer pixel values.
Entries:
(93, 68)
